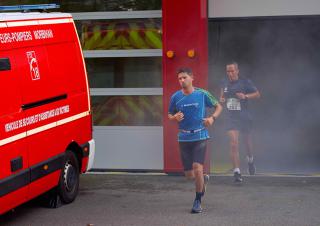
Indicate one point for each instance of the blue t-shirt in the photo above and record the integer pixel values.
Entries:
(193, 106)
(237, 109)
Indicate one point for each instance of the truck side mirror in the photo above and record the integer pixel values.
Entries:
(5, 64)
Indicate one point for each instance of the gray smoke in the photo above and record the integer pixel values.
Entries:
(281, 56)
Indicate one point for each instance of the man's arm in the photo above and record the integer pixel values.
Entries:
(254, 95)
(173, 115)
(210, 120)
(251, 93)
(222, 99)
(177, 116)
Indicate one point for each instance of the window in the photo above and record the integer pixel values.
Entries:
(123, 53)
(124, 72)
(127, 110)
(120, 34)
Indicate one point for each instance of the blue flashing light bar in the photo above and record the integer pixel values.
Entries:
(29, 7)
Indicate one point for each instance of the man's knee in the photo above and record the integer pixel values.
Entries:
(197, 169)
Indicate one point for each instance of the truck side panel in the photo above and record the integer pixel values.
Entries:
(14, 174)
(48, 106)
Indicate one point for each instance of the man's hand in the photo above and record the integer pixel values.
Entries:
(241, 96)
(179, 116)
(208, 121)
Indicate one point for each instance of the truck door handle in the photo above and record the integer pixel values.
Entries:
(16, 164)
(5, 64)
(43, 102)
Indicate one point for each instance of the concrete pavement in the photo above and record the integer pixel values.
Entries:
(161, 200)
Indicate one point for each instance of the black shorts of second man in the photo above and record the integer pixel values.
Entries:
(191, 152)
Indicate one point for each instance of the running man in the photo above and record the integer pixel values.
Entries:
(235, 93)
(188, 108)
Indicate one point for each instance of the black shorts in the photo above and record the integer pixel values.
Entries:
(190, 152)
(244, 126)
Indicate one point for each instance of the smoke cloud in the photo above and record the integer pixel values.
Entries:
(281, 56)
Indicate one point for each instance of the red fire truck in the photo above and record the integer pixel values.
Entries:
(45, 116)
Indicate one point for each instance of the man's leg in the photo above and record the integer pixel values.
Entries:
(234, 148)
(249, 149)
(190, 174)
(247, 138)
(191, 171)
(186, 159)
(199, 152)
(198, 174)
(234, 154)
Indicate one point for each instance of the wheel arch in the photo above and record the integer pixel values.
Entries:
(76, 149)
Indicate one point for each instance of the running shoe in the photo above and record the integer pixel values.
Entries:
(251, 168)
(196, 208)
(237, 177)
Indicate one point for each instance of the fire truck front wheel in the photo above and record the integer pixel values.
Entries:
(69, 179)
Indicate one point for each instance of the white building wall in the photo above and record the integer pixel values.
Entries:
(253, 8)
(128, 147)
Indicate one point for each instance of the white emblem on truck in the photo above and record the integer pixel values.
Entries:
(33, 65)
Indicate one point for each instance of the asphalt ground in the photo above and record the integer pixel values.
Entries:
(160, 200)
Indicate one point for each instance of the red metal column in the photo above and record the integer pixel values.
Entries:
(185, 27)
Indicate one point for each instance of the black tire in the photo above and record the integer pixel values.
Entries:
(68, 186)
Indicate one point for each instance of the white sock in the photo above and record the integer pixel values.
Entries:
(250, 159)
(236, 170)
